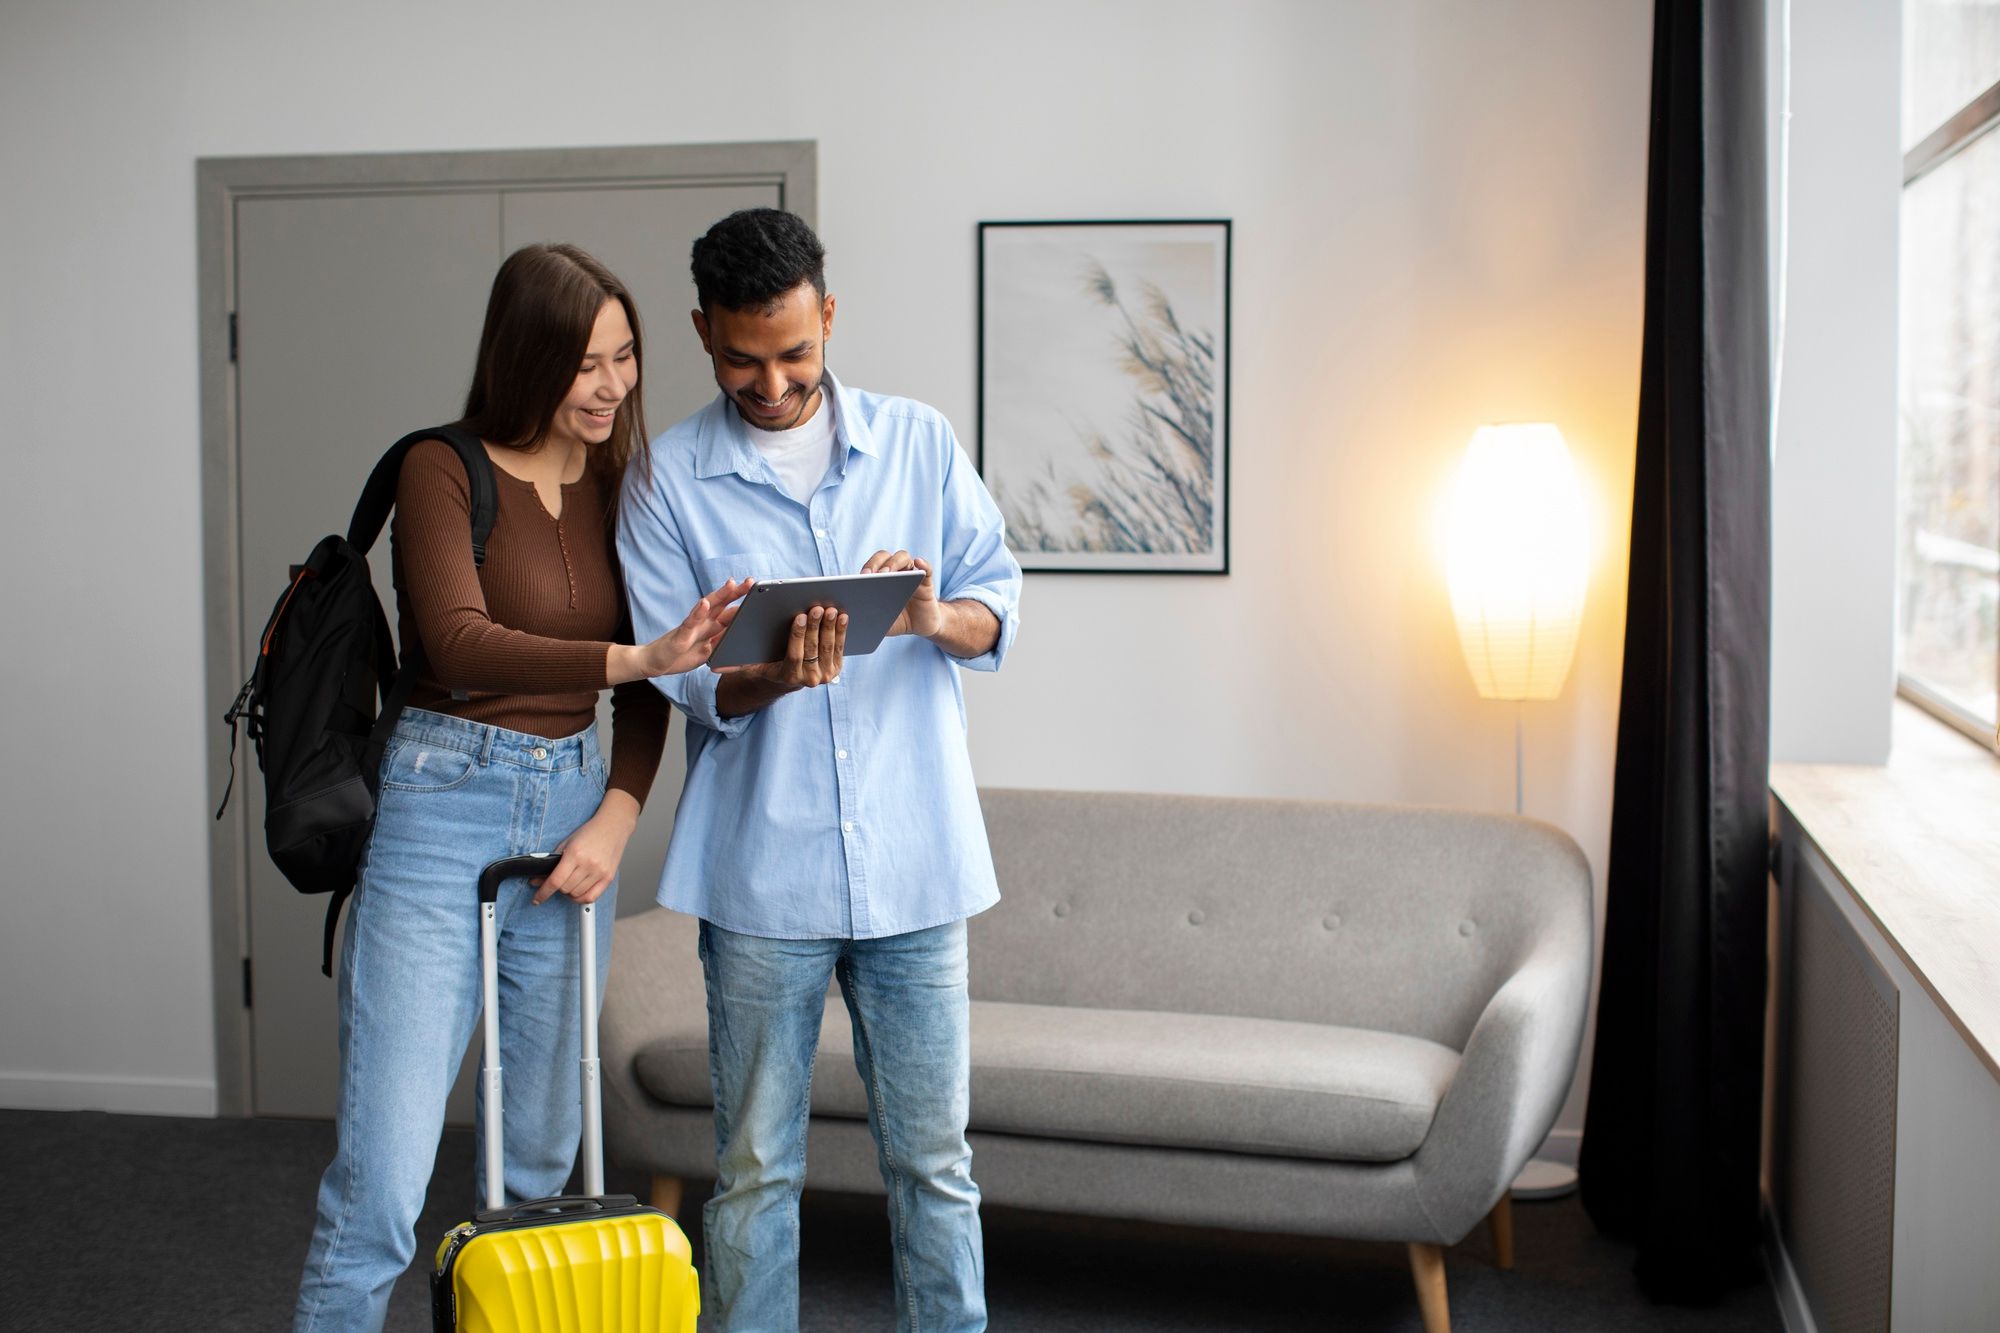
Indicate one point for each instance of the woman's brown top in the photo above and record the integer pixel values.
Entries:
(524, 636)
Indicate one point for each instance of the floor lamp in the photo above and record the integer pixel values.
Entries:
(1517, 557)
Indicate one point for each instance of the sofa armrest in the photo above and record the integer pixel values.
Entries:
(655, 977)
(1509, 1088)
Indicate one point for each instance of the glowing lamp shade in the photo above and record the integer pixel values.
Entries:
(1516, 554)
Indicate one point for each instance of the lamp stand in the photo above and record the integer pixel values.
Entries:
(1540, 1178)
(1518, 709)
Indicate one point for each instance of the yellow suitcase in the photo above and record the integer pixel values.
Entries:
(587, 1263)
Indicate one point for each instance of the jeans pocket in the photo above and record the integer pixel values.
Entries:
(414, 766)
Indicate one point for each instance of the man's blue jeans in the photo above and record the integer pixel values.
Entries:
(906, 996)
(455, 795)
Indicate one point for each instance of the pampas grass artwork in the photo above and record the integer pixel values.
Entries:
(1104, 393)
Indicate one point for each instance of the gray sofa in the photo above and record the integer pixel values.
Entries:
(1306, 1017)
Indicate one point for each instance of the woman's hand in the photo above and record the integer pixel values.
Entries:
(590, 855)
(684, 647)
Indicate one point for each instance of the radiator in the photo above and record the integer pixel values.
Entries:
(1836, 1131)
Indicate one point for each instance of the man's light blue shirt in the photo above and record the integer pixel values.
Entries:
(847, 811)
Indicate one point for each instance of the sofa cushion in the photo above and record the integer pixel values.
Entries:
(1125, 1076)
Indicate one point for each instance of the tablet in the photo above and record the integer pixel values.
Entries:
(762, 629)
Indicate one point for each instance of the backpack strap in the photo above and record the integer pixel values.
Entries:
(378, 497)
(393, 699)
(371, 512)
(333, 906)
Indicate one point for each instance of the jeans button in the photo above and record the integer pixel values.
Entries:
(541, 753)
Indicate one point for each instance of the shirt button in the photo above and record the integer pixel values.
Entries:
(819, 532)
(840, 754)
(848, 827)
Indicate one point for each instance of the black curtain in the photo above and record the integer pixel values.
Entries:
(1671, 1138)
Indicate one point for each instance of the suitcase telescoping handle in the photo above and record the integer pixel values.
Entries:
(490, 879)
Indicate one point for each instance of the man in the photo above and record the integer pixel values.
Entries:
(830, 827)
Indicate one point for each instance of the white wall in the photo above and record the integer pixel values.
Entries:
(1834, 498)
(1439, 221)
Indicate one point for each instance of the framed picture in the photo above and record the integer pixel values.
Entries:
(1104, 393)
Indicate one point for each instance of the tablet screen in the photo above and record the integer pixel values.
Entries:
(762, 629)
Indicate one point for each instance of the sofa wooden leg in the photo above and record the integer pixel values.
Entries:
(667, 1195)
(1502, 1221)
(1427, 1263)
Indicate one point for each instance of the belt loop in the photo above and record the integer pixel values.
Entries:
(485, 746)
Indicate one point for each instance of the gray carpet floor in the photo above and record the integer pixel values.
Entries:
(134, 1222)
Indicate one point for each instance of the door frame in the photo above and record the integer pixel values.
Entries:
(220, 184)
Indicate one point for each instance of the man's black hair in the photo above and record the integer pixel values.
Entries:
(751, 258)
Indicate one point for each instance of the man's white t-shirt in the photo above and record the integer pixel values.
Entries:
(800, 456)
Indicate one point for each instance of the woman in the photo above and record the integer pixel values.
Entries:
(497, 754)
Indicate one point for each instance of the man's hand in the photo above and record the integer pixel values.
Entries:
(922, 616)
(813, 656)
(963, 629)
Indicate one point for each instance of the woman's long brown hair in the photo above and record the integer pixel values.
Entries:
(544, 303)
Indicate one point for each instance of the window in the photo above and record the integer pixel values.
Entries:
(1948, 560)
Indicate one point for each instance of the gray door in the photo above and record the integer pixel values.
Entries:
(357, 319)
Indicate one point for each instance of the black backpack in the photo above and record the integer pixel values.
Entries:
(325, 657)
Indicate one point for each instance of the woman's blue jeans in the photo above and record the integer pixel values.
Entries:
(455, 795)
(906, 997)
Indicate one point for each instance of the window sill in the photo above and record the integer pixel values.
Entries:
(1917, 843)
(1947, 711)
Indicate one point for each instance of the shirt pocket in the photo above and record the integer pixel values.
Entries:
(715, 570)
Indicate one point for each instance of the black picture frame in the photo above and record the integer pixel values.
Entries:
(1097, 504)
